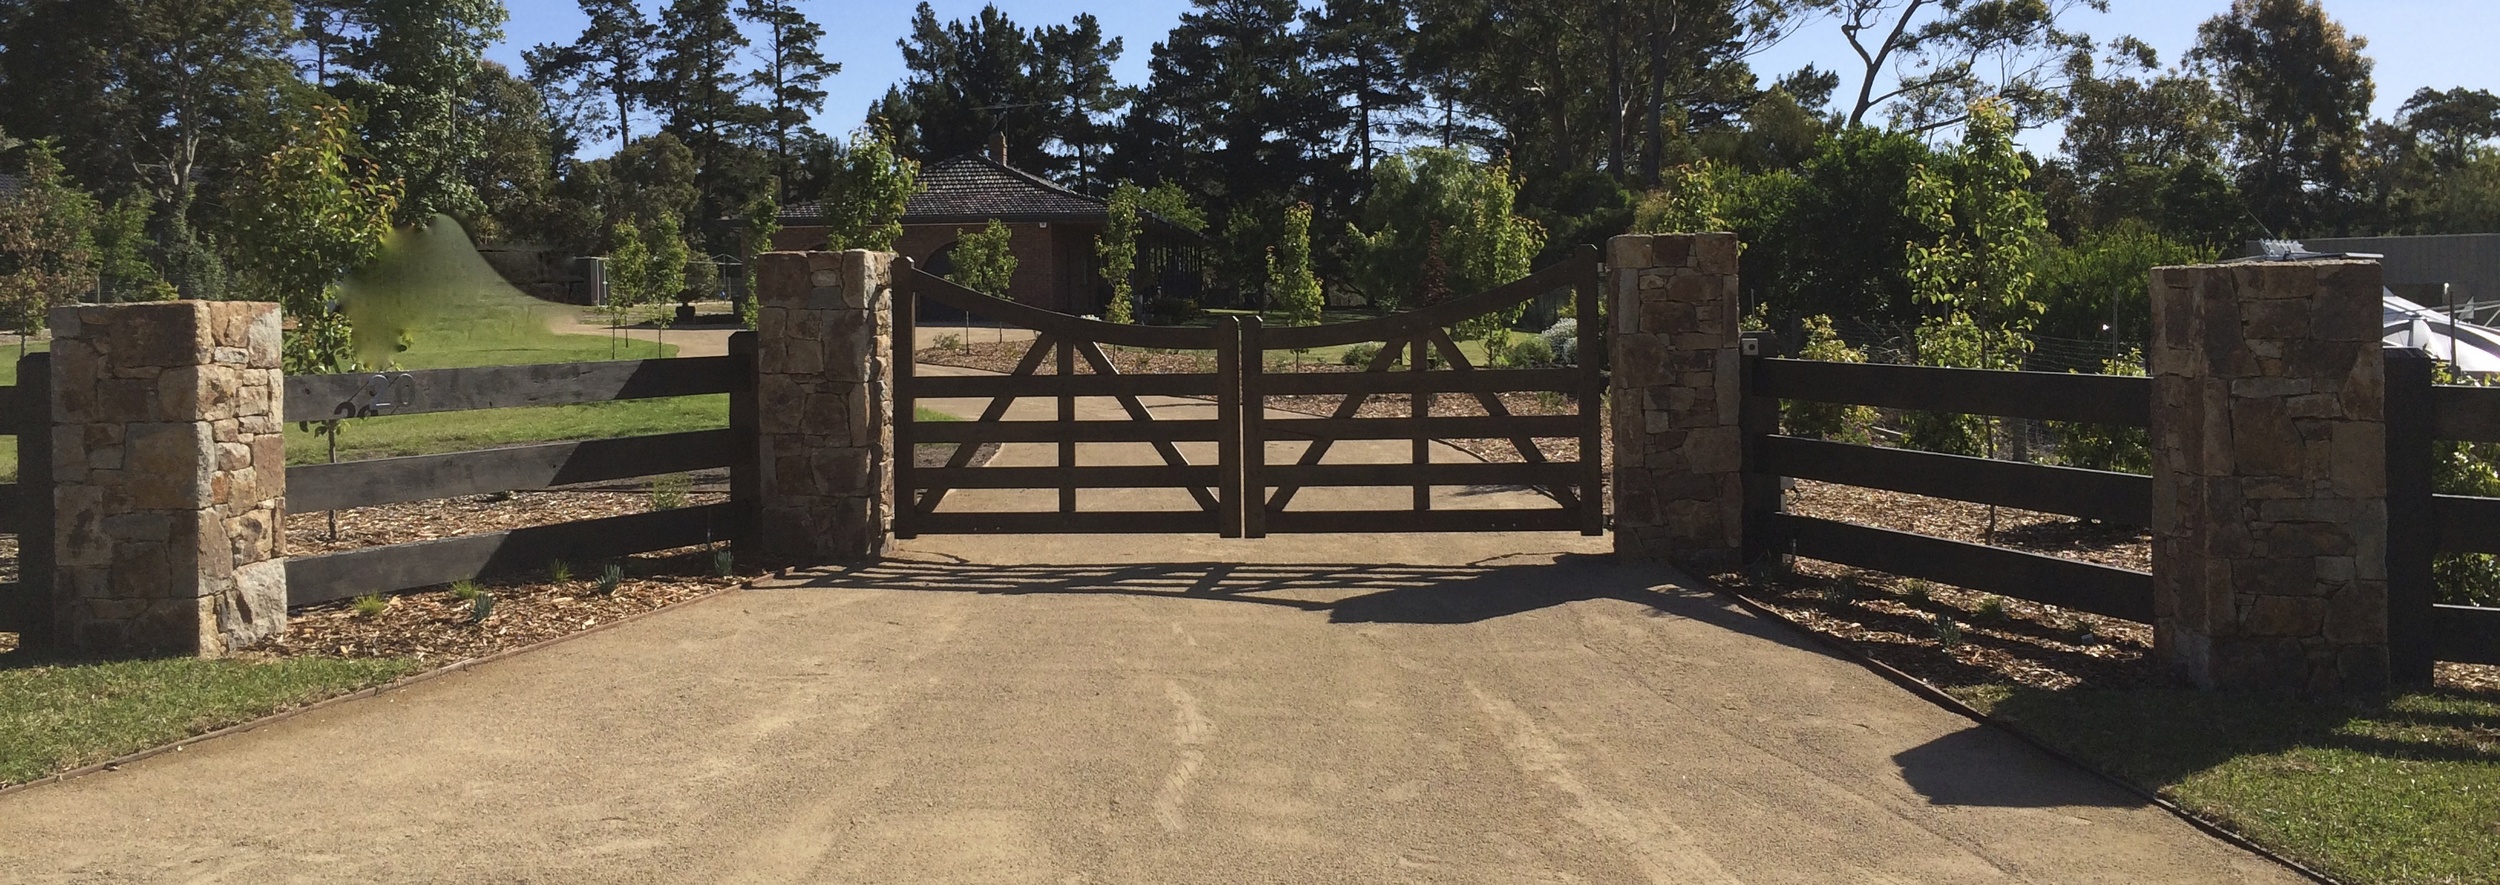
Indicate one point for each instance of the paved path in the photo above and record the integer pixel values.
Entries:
(1146, 710)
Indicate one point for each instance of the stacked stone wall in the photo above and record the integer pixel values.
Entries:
(1676, 363)
(825, 434)
(2270, 475)
(169, 470)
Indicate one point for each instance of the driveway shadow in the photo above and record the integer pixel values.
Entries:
(1980, 766)
(1346, 593)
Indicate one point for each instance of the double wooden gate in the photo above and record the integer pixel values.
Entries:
(1236, 489)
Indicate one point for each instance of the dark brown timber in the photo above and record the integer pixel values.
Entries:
(2123, 498)
(2083, 586)
(351, 573)
(2095, 399)
(317, 487)
(322, 397)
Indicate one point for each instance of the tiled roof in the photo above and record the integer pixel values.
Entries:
(976, 188)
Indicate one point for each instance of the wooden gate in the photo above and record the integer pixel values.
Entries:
(1221, 462)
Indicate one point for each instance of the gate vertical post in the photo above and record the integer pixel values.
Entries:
(36, 620)
(169, 476)
(1679, 493)
(1228, 423)
(824, 430)
(2269, 436)
(2412, 530)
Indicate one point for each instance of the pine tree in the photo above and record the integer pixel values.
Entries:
(791, 74)
(607, 63)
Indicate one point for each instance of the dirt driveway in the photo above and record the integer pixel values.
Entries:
(1145, 710)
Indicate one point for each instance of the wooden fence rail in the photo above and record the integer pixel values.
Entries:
(2092, 494)
(389, 569)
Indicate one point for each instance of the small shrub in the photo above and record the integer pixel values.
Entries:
(1563, 341)
(464, 590)
(1948, 634)
(1918, 592)
(1991, 611)
(1529, 353)
(950, 342)
(482, 608)
(611, 578)
(1842, 591)
(1359, 355)
(1497, 348)
(724, 564)
(1832, 421)
(669, 492)
(371, 605)
(560, 572)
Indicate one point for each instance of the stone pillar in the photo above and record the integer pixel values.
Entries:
(1678, 444)
(2270, 475)
(169, 470)
(825, 438)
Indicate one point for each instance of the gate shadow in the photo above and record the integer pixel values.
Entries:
(1345, 593)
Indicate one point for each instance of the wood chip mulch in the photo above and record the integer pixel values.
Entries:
(438, 627)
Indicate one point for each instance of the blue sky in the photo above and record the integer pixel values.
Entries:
(2416, 43)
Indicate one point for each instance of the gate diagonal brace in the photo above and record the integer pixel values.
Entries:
(1101, 362)
(995, 412)
(1492, 403)
(1352, 405)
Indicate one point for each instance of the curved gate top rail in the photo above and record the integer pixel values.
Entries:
(1239, 494)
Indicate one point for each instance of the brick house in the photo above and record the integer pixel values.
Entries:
(1053, 234)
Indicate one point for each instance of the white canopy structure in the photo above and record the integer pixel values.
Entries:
(2473, 349)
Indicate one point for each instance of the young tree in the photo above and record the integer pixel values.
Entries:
(47, 243)
(121, 239)
(984, 262)
(1431, 192)
(791, 73)
(2300, 91)
(1116, 248)
(866, 190)
(1289, 278)
(1978, 277)
(313, 210)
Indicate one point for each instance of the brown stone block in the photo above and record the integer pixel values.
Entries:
(1665, 315)
(169, 333)
(2327, 362)
(827, 415)
(794, 474)
(2293, 575)
(2263, 442)
(1715, 253)
(781, 279)
(2357, 614)
(1693, 289)
(1630, 251)
(147, 570)
(1640, 360)
(169, 465)
(2360, 459)
(2277, 319)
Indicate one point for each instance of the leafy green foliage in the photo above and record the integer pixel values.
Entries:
(413, 71)
(1832, 421)
(669, 491)
(724, 563)
(985, 260)
(371, 605)
(2102, 446)
(1290, 283)
(1116, 248)
(47, 243)
(2095, 289)
(2465, 468)
(611, 578)
(869, 184)
(1978, 275)
(559, 572)
(311, 211)
(2299, 92)
(464, 590)
(649, 266)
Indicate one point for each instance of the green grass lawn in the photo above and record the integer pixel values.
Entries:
(2400, 790)
(55, 717)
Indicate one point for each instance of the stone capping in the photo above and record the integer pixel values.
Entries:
(825, 435)
(2269, 447)
(1676, 400)
(169, 467)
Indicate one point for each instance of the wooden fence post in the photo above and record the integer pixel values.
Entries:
(1759, 418)
(2411, 527)
(745, 481)
(38, 608)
